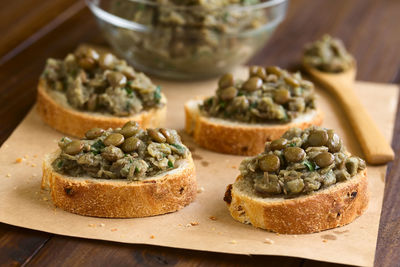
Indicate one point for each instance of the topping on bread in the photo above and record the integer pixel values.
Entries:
(301, 162)
(303, 182)
(269, 95)
(243, 115)
(101, 82)
(147, 172)
(97, 87)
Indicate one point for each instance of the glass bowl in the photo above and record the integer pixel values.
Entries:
(201, 40)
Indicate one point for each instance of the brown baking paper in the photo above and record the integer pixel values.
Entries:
(206, 223)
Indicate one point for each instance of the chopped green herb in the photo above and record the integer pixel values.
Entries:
(240, 93)
(225, 16)
(292, 144)
(180, 148)
(141, 6)
(128, 90)
(249, 2)
(129, 83)
(310, 165)
(136, 170)
(157, 94)
(209, 101)
(222, 104)
(170, 164)
(253, 105)
(60, 164)
(97, 147)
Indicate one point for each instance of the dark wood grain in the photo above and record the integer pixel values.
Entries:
(62, 251)
(22, 18)
(368, 27)
(18, 245)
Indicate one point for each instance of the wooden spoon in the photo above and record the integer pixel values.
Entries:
(374, 145)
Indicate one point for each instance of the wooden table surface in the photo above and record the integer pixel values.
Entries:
(32, 31)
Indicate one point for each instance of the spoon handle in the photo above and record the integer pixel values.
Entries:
(374, 145)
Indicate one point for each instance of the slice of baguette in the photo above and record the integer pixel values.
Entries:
(62, 117)
(328, 208)
(236, 137)
(164, 193)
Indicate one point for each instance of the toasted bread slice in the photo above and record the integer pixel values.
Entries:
(164, 193)
(328, 208)
(236, 137)
(60, 116)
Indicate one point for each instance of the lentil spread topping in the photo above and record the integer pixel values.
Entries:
(123, 153)
(269, 95)
(301, 162)
(328, 54)
(100, 82)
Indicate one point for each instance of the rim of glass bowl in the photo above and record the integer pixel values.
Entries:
(131, 25)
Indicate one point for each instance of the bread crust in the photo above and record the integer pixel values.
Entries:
(121, 198)
(76, 123)
(332, 207)
(238, 139)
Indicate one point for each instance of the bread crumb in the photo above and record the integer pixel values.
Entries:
(268, 241)
(25, 156)
(34, 174)
(102, 224)
(277, 233)
(324, 240)
(233, 167)
(92, 225)
(213, 218)
(192, 224)
(114, 229)
(6, 146)
(35, 156)
(180, 224)
(200, 190)
(33, 165)
(45, 199)
(233, 242)
(213, 228)
(8, 175)
(294, 235)
(18, 160)
(152, 237)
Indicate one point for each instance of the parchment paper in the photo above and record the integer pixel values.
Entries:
(205, 224)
